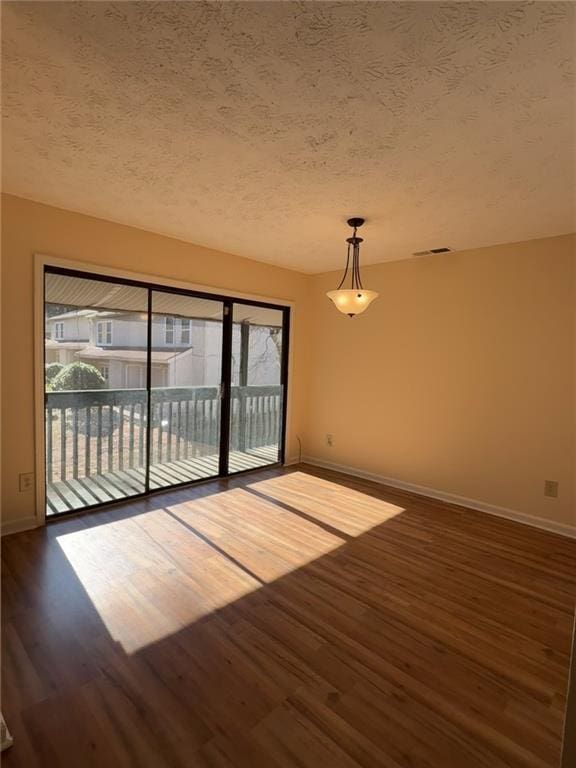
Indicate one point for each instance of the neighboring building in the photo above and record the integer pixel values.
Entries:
(185, 351)
(66, 335)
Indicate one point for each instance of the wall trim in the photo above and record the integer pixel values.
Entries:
(479, 506)
(20, 525)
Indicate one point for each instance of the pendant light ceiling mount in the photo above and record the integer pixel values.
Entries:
(354, 300)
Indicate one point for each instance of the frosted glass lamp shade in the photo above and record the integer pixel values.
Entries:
(352, 301)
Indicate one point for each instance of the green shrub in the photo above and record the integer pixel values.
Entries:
(52, 370)
(78, 376)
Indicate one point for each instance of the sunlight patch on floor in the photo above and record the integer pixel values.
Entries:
(148, 576)
(344, 509)
(153, 574)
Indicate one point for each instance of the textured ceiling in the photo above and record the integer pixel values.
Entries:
(258, 128)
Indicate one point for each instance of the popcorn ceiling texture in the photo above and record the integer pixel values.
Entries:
(258, 128)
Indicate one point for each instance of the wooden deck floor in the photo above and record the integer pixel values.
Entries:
(75, 494)
(291, 618)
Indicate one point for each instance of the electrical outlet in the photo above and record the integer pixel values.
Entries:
(551, 488)
(26, 481)
(329, 440)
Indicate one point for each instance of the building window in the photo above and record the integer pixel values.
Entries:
(58, 330)
(105, 371)
(184, 331)
(104, 332)
(177, 331)
(169, 330)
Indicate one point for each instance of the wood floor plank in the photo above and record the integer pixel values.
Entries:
(289, 617)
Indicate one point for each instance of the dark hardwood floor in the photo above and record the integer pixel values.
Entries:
(286, 618)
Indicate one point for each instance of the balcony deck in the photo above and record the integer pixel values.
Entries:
(75, 494)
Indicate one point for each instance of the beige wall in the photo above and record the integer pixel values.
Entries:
(460, 377)
(29, 228)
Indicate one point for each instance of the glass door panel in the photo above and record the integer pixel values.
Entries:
(186, 376)
(149, 388)
(257, 387)
(96, 401)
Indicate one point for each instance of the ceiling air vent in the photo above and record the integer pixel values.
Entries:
(432, 250)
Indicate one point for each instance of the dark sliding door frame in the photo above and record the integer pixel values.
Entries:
(226, 389)
(148, 392)
(225, 384)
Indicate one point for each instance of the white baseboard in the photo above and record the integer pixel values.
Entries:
(28, 523)
(463, 501)
(17, 526)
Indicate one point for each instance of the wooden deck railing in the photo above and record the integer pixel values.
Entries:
(97, 431)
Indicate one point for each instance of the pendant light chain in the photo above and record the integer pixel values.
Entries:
(355, 252)
(356, 281)
(354, 268)
(358, 285)
(346, 270)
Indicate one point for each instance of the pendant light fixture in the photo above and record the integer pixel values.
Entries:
(354, 300)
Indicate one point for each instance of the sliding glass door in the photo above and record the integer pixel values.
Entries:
(185, 415)
(149, 388)
(96, 400)
(257, 392)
